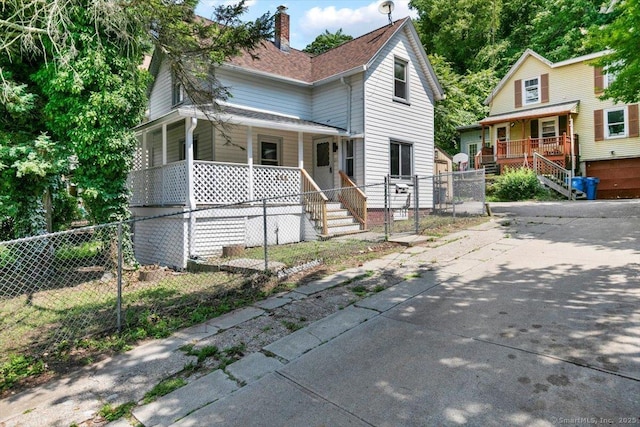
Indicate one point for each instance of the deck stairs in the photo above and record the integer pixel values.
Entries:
(491, 168)
(555, 177)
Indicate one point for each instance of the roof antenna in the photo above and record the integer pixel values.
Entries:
(386, 7)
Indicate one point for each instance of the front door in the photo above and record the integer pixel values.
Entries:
(323, 163)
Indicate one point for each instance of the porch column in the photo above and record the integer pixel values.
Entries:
(250, 162)
(190, 125)
(300, 150)
(164, 161)
(164, 144)
(144, 160)
(573, 154)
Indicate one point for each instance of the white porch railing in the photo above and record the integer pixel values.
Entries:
(159, 185)
(214, 183)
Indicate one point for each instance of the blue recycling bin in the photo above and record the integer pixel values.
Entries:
(591, 183)
(578, 182)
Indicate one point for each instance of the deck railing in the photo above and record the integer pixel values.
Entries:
(353, 199)
(516, 148)
(314, 200)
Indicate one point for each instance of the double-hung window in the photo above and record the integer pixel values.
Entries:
(348, 158)
(400, 80)
(401, 159)
(615, 120)
(531, 91)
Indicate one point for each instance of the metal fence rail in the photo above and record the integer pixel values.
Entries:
(58, 289)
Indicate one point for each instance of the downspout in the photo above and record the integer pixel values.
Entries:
(349, 89)
(348, 85)
(191, 124)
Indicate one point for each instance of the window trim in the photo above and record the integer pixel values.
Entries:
(401, 144)
(405, 64)
(625, 122)
(270, 140)
(524, 90)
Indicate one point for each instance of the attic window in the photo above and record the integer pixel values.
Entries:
(531, 92)
(400, 89)
(177, 91)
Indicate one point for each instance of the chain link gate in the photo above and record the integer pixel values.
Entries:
(409, 200)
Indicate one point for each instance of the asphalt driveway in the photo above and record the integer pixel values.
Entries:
(532, 321)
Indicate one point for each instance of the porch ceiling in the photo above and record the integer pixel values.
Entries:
(240, 116)
(533, 113)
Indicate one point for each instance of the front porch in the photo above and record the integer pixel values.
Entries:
(518, 135)
(185, 163)
(520, 152)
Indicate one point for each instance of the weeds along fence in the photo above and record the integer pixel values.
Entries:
(170, 267)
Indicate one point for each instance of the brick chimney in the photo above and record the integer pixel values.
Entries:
(282, 29)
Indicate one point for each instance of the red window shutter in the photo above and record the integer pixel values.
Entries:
(518, 93)
(598, 80)
(544, 88)
(598, 123)
(633, 121)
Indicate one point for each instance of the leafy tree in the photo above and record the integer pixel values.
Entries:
(81, 58)
(560, 28)
(464, 103)
(457, 30)
(30, 161)
(327, 41)
(621, 36)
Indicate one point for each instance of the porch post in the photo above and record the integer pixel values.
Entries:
(144, 162)
(573, 154)
(164, 144)
(250, 162)
(164, 160)
(190, 125)
(300, 152)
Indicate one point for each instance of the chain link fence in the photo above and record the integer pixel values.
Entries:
(170, 267)
(414, 204)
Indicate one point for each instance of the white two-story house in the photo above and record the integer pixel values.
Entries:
(297, 124)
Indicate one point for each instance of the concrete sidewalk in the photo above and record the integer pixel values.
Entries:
(521, 321)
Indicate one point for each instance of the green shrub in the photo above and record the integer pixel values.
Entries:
(517, 184)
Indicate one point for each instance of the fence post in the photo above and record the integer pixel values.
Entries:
(416, 214)
(119, 298)
(264, 227)
(385, 213)
(453, 195)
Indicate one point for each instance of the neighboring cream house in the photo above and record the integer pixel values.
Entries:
(540, 106)
(339, 120)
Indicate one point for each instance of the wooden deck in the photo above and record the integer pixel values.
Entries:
(519, 152)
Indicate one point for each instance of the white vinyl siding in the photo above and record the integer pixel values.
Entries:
(160, 97)
(386, 120)
(266, 95)
(330, 104)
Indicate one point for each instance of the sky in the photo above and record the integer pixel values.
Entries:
(309, 18)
